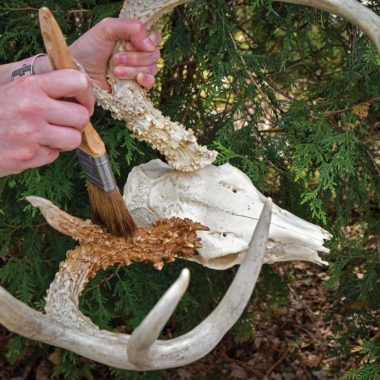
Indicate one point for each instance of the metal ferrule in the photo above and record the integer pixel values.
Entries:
(97, 170)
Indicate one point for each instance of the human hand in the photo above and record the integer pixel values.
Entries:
(37, 123)
(94, 49)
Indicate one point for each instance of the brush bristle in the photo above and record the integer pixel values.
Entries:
(111, 211)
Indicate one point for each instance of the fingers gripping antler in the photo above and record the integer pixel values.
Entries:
(129, 101)
(65, 326)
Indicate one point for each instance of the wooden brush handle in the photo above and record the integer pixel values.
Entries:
(60, 58)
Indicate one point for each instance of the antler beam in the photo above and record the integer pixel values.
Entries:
(65, 326)
(351, 10)
(130, 103)
(358, 14)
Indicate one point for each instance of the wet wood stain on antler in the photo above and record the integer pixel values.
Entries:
(163, 242)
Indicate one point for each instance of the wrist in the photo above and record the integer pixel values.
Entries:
(42, 65)
(26, 68)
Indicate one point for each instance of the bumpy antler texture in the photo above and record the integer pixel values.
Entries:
(65, 326)
(129, 102)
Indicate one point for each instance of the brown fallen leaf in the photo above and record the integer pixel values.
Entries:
(312, 360)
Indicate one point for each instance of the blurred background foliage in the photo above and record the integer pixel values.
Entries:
(288, 94)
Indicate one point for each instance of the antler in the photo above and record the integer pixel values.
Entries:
(65, 326)
(351, 10)
(129, 101)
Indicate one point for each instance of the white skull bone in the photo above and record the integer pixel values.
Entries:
(224, 199)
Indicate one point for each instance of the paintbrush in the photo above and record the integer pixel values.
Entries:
(105, 199)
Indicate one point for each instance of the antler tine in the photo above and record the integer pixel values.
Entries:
(147, 333)
(203, 338)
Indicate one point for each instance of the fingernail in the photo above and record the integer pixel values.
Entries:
(144, 80)
(155, 37)
(148, 44)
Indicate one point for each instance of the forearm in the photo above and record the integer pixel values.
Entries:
(41, 66)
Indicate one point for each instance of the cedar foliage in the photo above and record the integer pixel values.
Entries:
(309, 78)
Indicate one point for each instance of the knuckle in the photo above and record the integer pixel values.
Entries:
(156, 55)
(139, 27)
(27, 154)
(81, 80)
(25, 132)
(31, 108)
(26, 109)
(105, 22)
(21, 108)
(59, 75)
(52, 155)
(74, 73)
(74, 79)
(106, 27)
(83, 117)
(85, 82)
(32, 82)
(75, 140)
(31, 102)
(153, 69)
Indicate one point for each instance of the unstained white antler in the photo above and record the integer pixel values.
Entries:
(351, 10)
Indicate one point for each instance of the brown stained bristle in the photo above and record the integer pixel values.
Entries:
(110, 210)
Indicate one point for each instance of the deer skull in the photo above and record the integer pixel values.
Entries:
(64, 326)
(224, 199)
